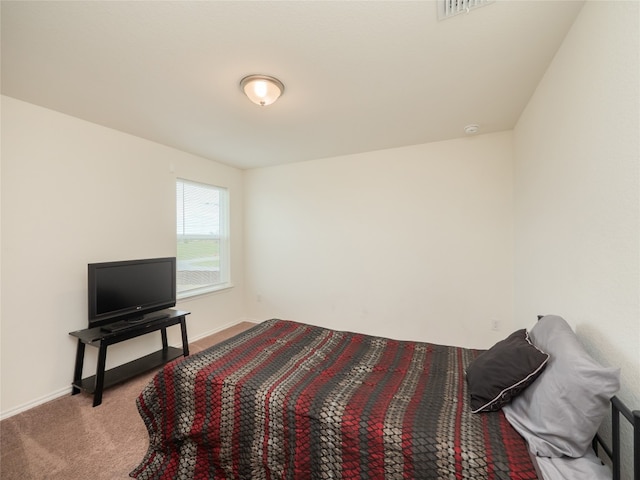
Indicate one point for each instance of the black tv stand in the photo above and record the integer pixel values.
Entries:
(98, 337)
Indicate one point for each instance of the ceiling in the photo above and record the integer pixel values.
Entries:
(359, 75)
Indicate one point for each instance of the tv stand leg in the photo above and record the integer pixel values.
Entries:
(165, 344)
(185, 342)
(102, 357)
(77, 372)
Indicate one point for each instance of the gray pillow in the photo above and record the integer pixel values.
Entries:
(562, 410)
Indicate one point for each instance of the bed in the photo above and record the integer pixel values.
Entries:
(290, 400)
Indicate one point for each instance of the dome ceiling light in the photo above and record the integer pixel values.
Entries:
(262, 90)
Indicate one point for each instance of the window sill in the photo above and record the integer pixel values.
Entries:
(204, 291)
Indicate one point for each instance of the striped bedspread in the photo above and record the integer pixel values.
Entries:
(295, 401)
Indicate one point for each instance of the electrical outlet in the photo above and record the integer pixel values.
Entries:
(495, 325)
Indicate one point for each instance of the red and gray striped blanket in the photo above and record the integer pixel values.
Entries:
(285, 400)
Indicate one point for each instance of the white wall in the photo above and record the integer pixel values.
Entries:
(73, 193)
(411, 243)
(577, 191)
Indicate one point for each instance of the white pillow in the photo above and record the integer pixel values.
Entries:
(561, 411)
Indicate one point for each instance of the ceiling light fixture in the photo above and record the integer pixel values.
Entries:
(262, 89)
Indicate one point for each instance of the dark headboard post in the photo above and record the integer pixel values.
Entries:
(613, 452)
(636, 444)
(615, 433)
(617, 408)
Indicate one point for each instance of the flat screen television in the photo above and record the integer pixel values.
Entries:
(128, 291)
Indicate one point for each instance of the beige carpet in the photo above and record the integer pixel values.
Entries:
(69, 439)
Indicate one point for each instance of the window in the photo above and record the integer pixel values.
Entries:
(203, 238)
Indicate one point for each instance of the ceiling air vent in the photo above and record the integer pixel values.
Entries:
(449, 8)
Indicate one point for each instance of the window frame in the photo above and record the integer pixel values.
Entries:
(223, 237)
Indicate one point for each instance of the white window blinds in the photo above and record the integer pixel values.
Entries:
(202, 213)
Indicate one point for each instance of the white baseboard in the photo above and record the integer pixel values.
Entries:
(34, 403)
(67, 390)
(214, 331)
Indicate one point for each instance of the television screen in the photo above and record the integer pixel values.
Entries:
(128, 290)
